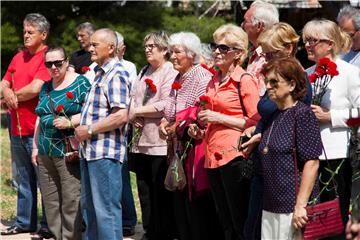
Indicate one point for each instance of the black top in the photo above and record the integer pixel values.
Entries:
(80, 59)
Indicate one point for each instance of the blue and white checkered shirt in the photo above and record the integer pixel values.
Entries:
(109, 90)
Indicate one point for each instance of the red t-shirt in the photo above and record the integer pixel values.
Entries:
(27, 68)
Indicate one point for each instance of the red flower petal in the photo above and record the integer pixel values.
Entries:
(84, 69)
(312, 78)
(12, 70)
(324, 61)
(176, 86)
(204, 100)
(353, 122)
(60, 108)
(217, 156)
(70, 95)
(320, 71)
(204, 66)
(149, 81)
(153, 88)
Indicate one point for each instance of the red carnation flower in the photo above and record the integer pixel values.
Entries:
(324, 61)
(204, 100)
(60, 108)
(176, 86)
(84, 69)
(204, 66)
(153, 88)
(353, 122)
(12, 70)
(213, 70)
(320, 71)
(217, 156)
(149, 81)
(312, 77)
(70, 95)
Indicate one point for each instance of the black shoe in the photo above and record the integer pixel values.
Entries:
(45, 233)
(14, 230)
(128, 231)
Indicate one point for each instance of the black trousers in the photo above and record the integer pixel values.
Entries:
(343, 180)
(231, 193)
(156, 202)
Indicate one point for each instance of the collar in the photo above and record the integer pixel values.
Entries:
(109, 64)
(237, 73)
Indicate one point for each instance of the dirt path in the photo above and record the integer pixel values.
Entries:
(26, 236)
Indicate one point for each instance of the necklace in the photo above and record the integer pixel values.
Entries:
(266, 148)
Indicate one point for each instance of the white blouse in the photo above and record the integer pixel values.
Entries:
(341, 97)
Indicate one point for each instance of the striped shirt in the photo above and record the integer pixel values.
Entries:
(193, 85)
(109, 90)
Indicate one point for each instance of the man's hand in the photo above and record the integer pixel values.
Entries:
(34, 157)
(81, 133)
(170, 129)
(10, 98)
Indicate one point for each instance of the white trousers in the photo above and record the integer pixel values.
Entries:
(278, 226)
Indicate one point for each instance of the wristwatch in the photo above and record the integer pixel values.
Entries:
(89, 130)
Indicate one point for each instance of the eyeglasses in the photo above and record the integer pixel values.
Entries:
(313, 41)
(150, 46)
(57, 63)
(273, 82)
(222, 47)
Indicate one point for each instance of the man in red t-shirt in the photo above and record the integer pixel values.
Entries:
(20, 88)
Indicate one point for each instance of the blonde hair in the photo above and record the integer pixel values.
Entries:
(328, 30)
(278, 37)
(234, 36)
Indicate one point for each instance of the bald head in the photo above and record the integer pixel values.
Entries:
(102, 45)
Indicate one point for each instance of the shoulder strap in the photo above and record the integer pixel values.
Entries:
(144, 71)
(50, 100)
(240, 97)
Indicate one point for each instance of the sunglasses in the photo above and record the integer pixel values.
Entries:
(57, 63)
(222, 47)
(273, 82)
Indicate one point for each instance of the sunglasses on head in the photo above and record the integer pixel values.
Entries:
(57, 63)
(222, 47)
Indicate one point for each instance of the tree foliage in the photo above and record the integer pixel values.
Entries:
(134, 20)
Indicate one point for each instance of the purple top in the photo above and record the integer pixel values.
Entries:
(278, 163)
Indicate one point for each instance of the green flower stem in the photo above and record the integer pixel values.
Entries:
(136, 135)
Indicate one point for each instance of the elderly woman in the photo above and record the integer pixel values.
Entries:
(278, 41)
(60, 103)
(148, 150)
(195, 219)
(323, 38)
(293, 126)
(234, 96)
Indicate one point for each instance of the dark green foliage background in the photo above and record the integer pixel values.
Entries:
(134, 20)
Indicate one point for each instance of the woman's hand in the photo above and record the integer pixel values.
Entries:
(299, 218)
(62, 123)
(34, 157)
(352, 231)
(208, 116)
(250, 145)
(162, 128)
(132, 114)
(322, 114)
(195, 132)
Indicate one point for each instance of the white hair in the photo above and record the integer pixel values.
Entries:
(264, 12)
(191, 43)
(119, 39)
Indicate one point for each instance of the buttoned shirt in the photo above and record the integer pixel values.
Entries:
(256, 63)
(109, 90)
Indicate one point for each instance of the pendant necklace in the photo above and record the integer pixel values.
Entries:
(266, 148)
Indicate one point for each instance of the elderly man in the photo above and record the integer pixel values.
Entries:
(260, 16)
(82, 58)
(349, 20)
(129, 217)
(20, 89)
(103, 138)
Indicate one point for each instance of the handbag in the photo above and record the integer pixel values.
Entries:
(324, 219)
(175, 178)
(71, 144)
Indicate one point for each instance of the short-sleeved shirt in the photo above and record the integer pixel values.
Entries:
(278, 164)
(255, 65)
(225, 99)
(109, 90)
(51, 141)
(80, 59)
(27, 68)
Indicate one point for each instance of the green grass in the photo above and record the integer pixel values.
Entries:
(8, 194)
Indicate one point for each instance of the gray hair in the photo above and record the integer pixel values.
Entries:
(206, 52)
(119, 39)
(87, 26)
(161, 39)
(191, 43)
(38, 20)
(264, 12)
(348, 12)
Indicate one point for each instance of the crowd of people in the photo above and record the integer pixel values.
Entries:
(229, 140)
